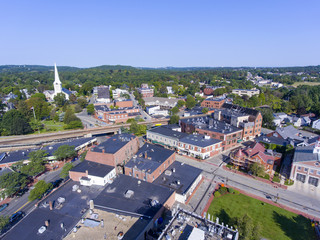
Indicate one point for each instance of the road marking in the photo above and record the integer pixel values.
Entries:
(22, 206)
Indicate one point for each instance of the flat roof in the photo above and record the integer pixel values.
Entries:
(116, 198)
(167, 131)
(184, 173)
(16, 156)
(156, 155)
(305, 154)
(199, 140)
(69, 214)
(114, 144)
(93, 168)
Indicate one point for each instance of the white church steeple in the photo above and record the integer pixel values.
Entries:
(56, 84)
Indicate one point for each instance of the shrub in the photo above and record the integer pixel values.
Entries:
(229, 166)
(236, 192)
(223, 190)
(276, 178)
(266, 176)
(231, 190)
(289, 182)
(217, 194)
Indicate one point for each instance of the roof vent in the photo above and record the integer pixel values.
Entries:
(173, 170)
(178, 182)
(167, 172)
(129, 193)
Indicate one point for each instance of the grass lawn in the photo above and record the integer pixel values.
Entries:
(296, 84)
(276, 223)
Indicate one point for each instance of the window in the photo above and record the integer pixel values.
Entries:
(311, 171)
(306, 169)
(313, 181)
(301, 177)
(137, 175)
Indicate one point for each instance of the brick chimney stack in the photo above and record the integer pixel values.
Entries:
(145, 155)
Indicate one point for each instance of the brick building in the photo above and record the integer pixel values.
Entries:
(124, 104)
(243, 158)
(213, 102)
(119, 115)
(228, 134)
(149, 162)
(116, 151)
(145, 91)
(250, 120)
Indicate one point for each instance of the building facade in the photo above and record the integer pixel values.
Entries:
(246, 92)
(213, 103)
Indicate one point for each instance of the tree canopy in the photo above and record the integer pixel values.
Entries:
(15, 123)
(65, 151)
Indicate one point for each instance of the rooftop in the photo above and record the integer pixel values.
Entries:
(69, 213)
(179, 177)
(156, 155)
(199, 140)
(305, 154)
(93, 168)
(114, 144)
(103, 92)
(132, 197)
(167, 131)
(233, 107)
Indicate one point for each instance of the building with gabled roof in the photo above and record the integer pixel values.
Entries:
(255, 153)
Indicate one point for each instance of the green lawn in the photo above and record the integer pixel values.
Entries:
(276, 223)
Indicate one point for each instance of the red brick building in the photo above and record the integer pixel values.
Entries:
(146, 91)
(119, 115)
(149, 162)
(116, 151)
(256, 153)
(213, 103)
(124, 104)
(228, 134)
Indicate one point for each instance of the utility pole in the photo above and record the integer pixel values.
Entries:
(34, 115)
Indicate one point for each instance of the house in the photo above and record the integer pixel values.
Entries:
(247, 92)
(255, 153)
(115, 151)
(228, 134)
(91, 173)
(306, 165)
(149, 162)
(116, 93)
(305, 121)
(288, 132)
(182, 178)
(170, 90)
(213, 102)
(316, 124)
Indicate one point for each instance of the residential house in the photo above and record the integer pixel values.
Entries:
(164, 103)
(316, 124)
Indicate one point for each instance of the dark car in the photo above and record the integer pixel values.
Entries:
(16, 217)
(3, 206)
(56, 183)
(21, 192)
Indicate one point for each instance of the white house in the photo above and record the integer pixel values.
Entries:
(316, 124)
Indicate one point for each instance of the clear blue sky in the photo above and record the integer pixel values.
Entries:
(159, 33)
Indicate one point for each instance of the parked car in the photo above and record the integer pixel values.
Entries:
(3, 206)
(21, 192)
(16, 217)
(56, 183)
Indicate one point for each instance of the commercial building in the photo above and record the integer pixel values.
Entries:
(213, 102)
(156, 110)
(250, 120)
(228, 134)
(116, 151)
(164, 103)
(138, 199)
(182, 178)
(256, 153)
(103, 94)
(306, 165)
(116, 115)
(116, 93)
(246, 92)
(145, 91)
(149, 162)
(91, 173)
(128, 103)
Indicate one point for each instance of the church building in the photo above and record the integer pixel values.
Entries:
(50, 94)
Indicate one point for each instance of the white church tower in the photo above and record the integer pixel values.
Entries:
(57, 83)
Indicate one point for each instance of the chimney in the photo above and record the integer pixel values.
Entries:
(102, 150)
(46, 223)
(145, 155)
(87, 173)
(50, 205)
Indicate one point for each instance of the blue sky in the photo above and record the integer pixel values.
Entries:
(159, 33)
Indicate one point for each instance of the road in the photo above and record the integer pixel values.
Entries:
(89, 121)
(213, 172)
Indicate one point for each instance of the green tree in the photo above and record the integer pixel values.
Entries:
(65, 151)
(15, 123)
(267, 117)
(69, 116)
(174, 119)
(4, 221)
(12, 182)
(36, 164)
(40, 96)
(72, 98)
(41, 107)
(82, 102)
(36, 125)
(40, 188)
(74, 125)
(181, 103)
(90, 109)
(174, 110)
(24, 109)
(190, 102)
(138, 129)
(60, 99)
(257, 169)
(65, 170)
(248, 230)
(205, 110)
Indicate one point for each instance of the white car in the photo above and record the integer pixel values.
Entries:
(42, 229)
